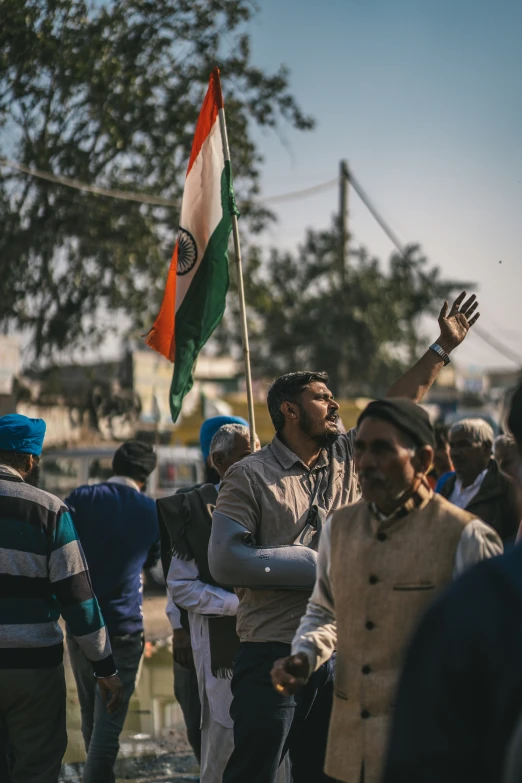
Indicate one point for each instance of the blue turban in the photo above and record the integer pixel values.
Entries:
(18, 433)
(211, 426)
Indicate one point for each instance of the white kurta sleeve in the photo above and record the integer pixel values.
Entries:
(316, 636)
(189, 592)
(477, 542)
(172, 612)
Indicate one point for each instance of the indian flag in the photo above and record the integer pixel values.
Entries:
(197, 282)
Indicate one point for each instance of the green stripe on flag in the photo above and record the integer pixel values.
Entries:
(204, 304)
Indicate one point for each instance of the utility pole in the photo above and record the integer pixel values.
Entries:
(344, 180)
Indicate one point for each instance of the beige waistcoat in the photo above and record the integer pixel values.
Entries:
(383, 575)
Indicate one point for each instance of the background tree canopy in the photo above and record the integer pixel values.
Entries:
(108, 93)
(301, 315)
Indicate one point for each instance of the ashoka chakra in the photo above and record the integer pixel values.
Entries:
(187, 252)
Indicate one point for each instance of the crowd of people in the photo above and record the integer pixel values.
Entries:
(333, 619)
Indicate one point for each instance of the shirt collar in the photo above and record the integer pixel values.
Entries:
(12, 471)
(419, 498)
(287, 459)
(125, 481)
(475, 486)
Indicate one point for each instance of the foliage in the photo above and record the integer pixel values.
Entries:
(363, 333)
(108, 92)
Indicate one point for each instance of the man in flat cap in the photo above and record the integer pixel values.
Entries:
(381, 561)
(43, 574)
(118, 527)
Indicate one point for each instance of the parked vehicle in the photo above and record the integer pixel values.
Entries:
(62, 470)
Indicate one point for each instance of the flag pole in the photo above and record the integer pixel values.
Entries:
(241, 291)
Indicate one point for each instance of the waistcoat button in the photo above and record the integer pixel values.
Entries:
(366, 670)
(370, 625)
(365, 714)
(381, 536)
(373, 580)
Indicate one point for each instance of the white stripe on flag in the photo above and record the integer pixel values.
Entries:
(201, 210)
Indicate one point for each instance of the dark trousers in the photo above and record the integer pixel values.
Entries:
(267, 724)
(101, 731)
(32, 721)
(187, 695)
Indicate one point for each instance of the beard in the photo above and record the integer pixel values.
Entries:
(322, 439)
(33, 477)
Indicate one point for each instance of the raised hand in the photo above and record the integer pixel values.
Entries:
(455, 324)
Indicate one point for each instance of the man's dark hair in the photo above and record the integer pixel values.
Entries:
(288, 388)
(16, 459)
(441, 432)
(514, 421)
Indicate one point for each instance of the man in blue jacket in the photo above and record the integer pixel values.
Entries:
(118, 528)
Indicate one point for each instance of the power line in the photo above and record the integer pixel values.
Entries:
(380, 220)
(493, 342)
(76, 184)
(498, 346)
(145, 198)
(304, 193)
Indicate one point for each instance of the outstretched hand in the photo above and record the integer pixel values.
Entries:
(455, 324)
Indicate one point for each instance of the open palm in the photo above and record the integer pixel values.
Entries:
(455, 324)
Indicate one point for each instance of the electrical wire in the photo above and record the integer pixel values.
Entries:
(493, 342)
(76, 184)
(145, 198)
(380, 220)
(304, 193)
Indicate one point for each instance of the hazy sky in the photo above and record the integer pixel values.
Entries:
(424, 100)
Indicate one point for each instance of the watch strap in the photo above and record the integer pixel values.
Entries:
(441, 352)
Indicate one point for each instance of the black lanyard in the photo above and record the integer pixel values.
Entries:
(314, 518)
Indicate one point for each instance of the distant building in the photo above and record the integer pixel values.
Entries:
(116, 400)
(214, 377)
(503, 380)
(9, 371)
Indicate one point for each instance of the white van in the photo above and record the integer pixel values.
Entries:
(62, 470)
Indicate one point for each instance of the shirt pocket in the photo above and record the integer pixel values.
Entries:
(413, 586)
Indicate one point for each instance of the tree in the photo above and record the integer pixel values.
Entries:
(300, 316)
(108, 92)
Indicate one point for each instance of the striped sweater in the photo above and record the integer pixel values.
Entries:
(43, 574)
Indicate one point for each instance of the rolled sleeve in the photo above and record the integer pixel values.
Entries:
(478, 542)
(316, 636)
(238, 499)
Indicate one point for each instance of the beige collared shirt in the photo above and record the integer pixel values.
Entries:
(270, 493)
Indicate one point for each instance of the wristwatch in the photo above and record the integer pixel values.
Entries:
(441, 352)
